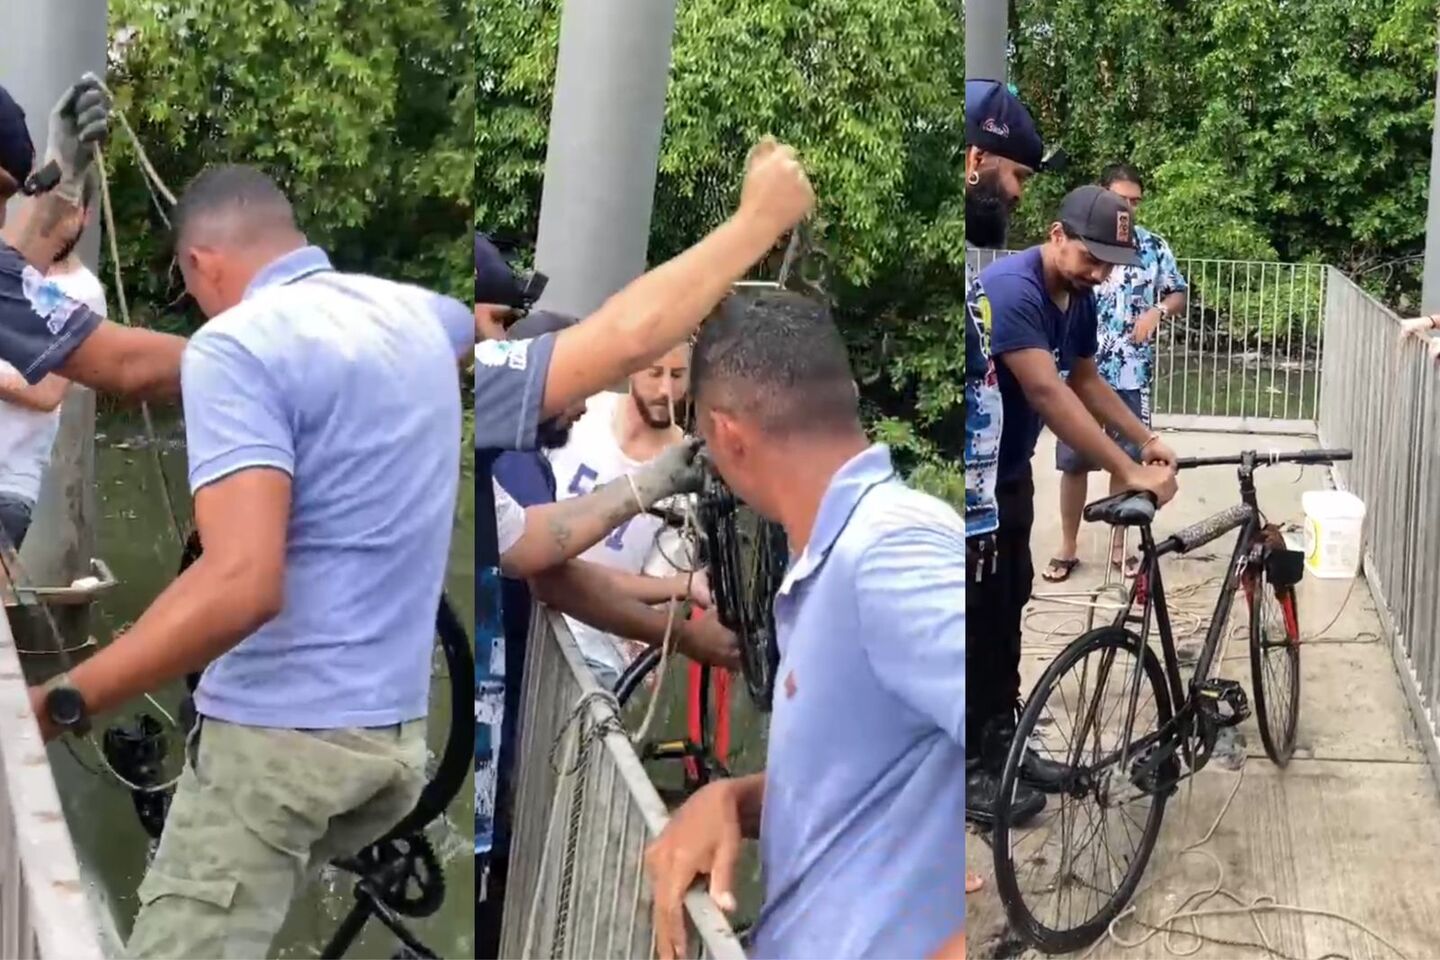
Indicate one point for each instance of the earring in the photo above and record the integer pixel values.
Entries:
(973, 178)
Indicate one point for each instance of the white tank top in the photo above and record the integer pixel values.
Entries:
(27, 436)
(591, 459)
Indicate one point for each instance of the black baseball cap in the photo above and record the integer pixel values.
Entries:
(997, 122)
(1104, 223)
(17, 151)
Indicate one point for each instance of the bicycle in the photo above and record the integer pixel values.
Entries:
(1144, 764)
(744, 557)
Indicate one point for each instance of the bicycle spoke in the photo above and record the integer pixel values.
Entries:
(1078, 852)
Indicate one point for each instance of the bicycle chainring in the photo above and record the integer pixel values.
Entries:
(407, 872)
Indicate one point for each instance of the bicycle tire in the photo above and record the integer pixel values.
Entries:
(1023, 920)
(635, 674)
(1279, 743)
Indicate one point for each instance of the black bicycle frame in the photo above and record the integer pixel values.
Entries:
(1180, 726)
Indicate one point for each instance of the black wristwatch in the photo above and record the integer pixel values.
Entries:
(65, 706)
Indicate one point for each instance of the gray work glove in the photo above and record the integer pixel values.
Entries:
(79, 121)
(678, 469)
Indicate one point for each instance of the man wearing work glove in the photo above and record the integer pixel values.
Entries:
(41, 329)
(541, 542)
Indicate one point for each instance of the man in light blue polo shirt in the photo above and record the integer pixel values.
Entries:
(323, 426)
(860, 812)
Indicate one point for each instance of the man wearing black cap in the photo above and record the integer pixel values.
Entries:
(1044, 337)
(41, 330)
(1002, 151)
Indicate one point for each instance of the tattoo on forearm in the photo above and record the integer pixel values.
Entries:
(591, 517)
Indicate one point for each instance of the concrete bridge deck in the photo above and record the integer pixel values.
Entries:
(1351, 827)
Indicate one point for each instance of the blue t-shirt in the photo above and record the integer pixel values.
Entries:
(509, 392)
(349, 384)
(862, 840)
(1024, 317)
(984, 415)
(39, 325)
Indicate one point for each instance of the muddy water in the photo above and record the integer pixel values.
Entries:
(135, 539)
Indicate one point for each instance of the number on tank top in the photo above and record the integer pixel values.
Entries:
(584, 481)
(616, 540)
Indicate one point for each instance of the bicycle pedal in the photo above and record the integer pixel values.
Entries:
(1224, 702)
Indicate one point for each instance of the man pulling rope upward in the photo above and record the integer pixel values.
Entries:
(42, 330)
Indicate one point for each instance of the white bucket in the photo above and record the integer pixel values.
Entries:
(1334, 522)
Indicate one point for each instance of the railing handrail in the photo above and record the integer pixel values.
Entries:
(57, 918)
(584, 812)
(705, 913)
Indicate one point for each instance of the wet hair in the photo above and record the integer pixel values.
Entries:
(234, 203)
(776, 358)
(1120, 173)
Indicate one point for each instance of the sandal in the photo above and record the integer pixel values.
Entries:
(1059, 570)
(1129, 569)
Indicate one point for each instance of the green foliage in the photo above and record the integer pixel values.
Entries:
(361, 109)
(1266, 128)
(868, 91)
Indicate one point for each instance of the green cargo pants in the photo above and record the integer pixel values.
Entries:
(256, 812)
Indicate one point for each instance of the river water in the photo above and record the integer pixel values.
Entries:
(135, 540)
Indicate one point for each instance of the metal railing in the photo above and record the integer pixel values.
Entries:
(44, 909)
(1248, 351)
(1381, 399)
(584, 811)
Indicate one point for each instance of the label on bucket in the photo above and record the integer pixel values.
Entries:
(1334, 522)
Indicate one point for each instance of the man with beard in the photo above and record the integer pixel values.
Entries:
(1044, 337)
(603, 598)
(1002, 150)
(617, 434)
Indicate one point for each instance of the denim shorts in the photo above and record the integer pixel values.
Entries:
(15, 517)
(1070, 461)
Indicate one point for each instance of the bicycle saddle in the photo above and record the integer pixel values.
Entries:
(1122, 510)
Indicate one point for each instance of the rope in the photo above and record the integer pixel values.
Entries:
(1192, 907)
(124, 305)
(687, 511)
(572, 743)
(9, 557)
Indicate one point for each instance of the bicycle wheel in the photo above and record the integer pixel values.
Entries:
(640, 668)
(1086, 690)
(1275, 664)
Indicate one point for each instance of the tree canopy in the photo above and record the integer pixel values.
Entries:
(1267, 129)
(868, 91)
(361, 109)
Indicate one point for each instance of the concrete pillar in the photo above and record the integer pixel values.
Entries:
(59, 43)
(986, 32)
(1430, 288)
(604, 149)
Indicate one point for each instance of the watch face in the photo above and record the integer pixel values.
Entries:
(66, 706)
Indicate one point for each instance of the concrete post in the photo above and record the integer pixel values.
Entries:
(59, 43)
(604, 149)
(986, 31)
(1430, 288)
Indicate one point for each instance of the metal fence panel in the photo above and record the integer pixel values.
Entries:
(44, 910)
(1381, 399)
(1248, 350)
(584, 811)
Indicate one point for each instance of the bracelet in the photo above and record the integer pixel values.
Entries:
(1151, 439)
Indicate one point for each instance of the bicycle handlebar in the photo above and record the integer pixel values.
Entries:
(1261, 459)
